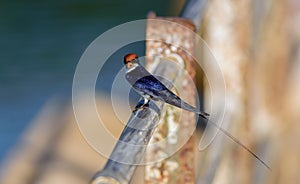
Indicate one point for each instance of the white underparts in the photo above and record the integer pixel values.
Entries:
(134, 65)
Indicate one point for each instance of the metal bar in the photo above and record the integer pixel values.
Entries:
(130, 148)
(193, 10)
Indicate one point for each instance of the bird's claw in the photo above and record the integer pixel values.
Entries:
(140, 106)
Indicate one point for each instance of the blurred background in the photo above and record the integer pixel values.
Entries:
(257, 44)
(41, 44)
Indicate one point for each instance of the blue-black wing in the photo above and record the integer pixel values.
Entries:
(142, 81)
(145, 83)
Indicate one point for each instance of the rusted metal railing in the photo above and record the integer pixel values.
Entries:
(143, 123)
(165, 37)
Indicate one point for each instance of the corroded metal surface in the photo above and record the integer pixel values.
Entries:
(175, 126)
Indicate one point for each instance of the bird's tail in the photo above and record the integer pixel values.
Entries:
(176, 101)
(235, 140)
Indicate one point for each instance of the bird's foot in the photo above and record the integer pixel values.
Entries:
(141, 105)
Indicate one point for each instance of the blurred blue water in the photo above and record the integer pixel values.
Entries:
(41, 43)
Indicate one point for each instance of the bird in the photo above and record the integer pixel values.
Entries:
(150, 88)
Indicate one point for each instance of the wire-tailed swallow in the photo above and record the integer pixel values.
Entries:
(150, 88)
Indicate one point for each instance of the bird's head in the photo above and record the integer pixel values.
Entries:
(131, 60)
